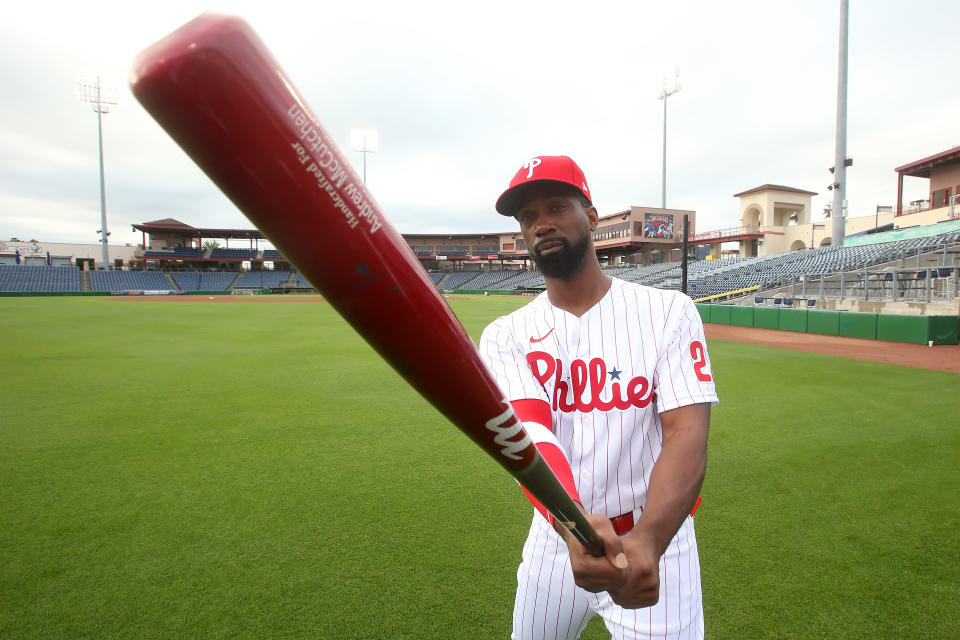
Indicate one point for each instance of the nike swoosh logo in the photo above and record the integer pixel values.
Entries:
(533, 340)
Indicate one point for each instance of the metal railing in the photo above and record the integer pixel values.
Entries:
(723, 233)
(915, 206)
(933, 284)
(727, 294)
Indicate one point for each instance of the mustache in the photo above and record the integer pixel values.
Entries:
(549, 240)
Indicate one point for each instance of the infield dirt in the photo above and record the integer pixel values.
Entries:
(938, 358)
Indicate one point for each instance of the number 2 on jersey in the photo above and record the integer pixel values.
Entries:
(699, 361)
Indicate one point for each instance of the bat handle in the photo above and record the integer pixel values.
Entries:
(539, 480)
(590, 540)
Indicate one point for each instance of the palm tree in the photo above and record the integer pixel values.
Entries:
(827, 210)
(211, 245)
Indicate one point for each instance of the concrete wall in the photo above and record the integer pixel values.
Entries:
(920, 218)
(773, 208)
(770, 212)
(945, 178)
(890, 307)
(37, 250)
(863, 223)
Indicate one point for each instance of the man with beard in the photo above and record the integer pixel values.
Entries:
(613, 382)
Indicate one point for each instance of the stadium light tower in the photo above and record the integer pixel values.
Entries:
(365, 141)
(664, 94)
(100, 93)
(840, 156)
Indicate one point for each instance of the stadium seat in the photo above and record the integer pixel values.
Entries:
(128, 280)
(262, 279)
(39, 278)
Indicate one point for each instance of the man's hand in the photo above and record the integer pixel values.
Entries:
(642, 587)
(606, 573)
(674, 483)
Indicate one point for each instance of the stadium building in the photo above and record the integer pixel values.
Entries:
(902, 259)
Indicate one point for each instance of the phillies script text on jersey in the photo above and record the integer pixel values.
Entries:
(637, 392)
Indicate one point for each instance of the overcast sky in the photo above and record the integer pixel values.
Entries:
(463, 93)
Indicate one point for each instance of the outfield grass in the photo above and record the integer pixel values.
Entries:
(253, 470)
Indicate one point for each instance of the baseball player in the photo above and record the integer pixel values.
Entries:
(613, 382)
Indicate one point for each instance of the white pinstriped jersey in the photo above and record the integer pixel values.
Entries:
(606, 376)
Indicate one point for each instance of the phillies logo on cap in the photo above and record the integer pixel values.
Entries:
(532, 164)
(560, 169)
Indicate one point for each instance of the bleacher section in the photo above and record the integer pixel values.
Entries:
(262, 279)
(617, 272)
(457, 278)
(490, 279)
(22, 278)
(302, 282)
(772, 271)
(713, 277)
(272, 254)
(704, 277)
(204, 280)
(179, 253)
(128, 281)
(521, 280)
(234, 254)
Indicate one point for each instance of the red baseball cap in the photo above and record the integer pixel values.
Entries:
(542, 169)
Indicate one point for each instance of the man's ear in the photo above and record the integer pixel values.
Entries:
(593, 217)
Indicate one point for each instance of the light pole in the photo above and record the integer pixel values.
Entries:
(664, 94)
(840, 156)
(99, 93)
(365, 141)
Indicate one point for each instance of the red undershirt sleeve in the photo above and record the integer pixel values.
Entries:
(535, 413)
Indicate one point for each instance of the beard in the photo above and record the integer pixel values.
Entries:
(566, 262)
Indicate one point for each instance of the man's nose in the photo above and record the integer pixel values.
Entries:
(544, 224)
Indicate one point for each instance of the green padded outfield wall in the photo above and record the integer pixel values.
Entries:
(914, 329)
(720, 314)
(944, 329)
(858, 325)
(849, 324)
(824, 323)
(741, 316)
(704, 310)
(766, 318)
(793, 320)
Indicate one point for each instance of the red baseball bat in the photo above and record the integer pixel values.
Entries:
(217, 90)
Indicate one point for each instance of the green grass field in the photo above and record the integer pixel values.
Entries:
(253, 470)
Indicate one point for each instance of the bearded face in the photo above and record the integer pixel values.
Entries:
(557, 225)
(557, 257)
